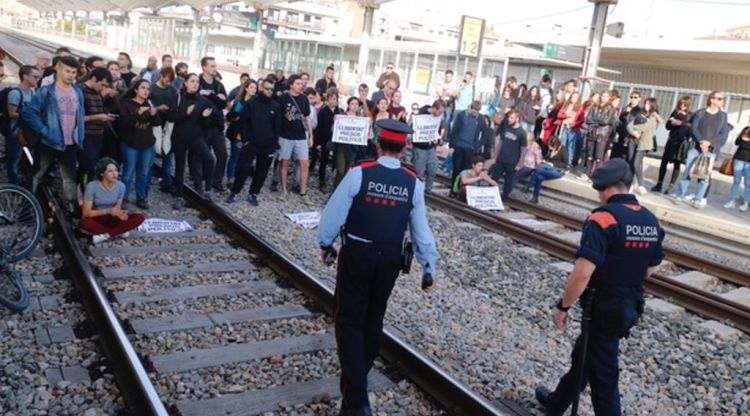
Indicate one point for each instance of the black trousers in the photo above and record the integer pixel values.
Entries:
(461, 161)
(218, 144)
(670, 151)
(507, 171)
(262, 158)
(202, 161)
(365, 277)
(600, 369)
(324, 157)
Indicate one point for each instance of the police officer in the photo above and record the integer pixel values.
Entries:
(372, 208)
(621, 246)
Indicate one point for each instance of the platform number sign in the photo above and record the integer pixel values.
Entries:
(472, 33)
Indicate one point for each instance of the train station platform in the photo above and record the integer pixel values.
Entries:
(729, 224)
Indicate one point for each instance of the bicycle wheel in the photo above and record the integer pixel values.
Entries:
(21, 222)
(13, 294)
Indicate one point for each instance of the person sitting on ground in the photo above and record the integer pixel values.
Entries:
(476, 176)
(102, 211)
(554, 168)
(531, 161)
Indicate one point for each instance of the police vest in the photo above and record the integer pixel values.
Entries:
(629, 255)
(380, 211)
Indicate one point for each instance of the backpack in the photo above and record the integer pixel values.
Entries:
(5, 120)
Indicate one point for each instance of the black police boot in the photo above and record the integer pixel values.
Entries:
(542, 396)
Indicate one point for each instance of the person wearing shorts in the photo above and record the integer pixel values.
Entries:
(295, 138)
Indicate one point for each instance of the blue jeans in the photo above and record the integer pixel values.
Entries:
(685, 180)
(541, 174)
(12, 157)
(741, 170)
(529, 127)
(167, 169)
(234, 157)
(574, 143)
(137, 162)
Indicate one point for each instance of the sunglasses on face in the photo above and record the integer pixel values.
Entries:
(268, 88)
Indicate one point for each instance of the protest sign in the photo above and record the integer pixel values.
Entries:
(484, 197)
(308, 220)
(159, 225)
(426, 128)
(351, 130)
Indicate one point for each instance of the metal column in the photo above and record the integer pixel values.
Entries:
(594, 46)
(506, 64)
(364, 48)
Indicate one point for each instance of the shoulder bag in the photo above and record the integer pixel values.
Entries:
(727, 167)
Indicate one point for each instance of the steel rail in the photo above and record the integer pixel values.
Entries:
(689, 261)
(457, 398)
(696, 300)
(136, 388)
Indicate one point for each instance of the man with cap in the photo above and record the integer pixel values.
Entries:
(371, 209)
(620, 247)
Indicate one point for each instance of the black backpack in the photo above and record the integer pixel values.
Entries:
(4, 118)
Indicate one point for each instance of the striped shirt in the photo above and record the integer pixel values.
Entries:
(93, 104)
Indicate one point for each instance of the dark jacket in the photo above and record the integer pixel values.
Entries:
(457, 130)
(261, 122)
(718, 139)
(601, 121)
(187, 126)
(677, 134)
(324, 130)
(219, 103)
(743, 151)
(136, 130)
(527, 111)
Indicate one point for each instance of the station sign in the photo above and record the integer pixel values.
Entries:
(470, 37)
(564, 52)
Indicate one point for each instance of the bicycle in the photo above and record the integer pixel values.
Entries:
(21, 223)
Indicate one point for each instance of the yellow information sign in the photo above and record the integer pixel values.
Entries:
(472, 33)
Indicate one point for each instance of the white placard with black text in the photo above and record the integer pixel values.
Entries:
(426, 128)
(351, 130)
(486, 198)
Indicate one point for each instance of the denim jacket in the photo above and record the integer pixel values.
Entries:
(42, 115)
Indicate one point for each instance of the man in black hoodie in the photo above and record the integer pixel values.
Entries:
(260, 123)
(213, 89)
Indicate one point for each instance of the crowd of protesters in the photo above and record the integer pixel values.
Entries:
(76, 113)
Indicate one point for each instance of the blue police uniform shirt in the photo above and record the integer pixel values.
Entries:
(337, 210)
(623, 239)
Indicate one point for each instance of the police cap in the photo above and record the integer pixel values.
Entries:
(610, 173)
(393, 130)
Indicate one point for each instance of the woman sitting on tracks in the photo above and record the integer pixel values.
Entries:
(102, 213)
(557, 163)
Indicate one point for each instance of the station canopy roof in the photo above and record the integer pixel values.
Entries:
(126, 5)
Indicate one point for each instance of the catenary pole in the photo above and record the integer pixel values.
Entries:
(594, 45)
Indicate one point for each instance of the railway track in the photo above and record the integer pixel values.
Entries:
(692, 298)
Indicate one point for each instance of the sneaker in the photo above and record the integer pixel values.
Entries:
(232, 198)
(205, 194)
(220, 189)
(534, 200)
(99, 238)
(642, 190)
(142, 204)
(274, 186)
(690, 197)
(253, 200)
(125, 234)
(179, 204)
(730, 204)
(656, 188)
(305, 200)
(696, 204)
(703, 202)
(744, 207)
